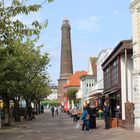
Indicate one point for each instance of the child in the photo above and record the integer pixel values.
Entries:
(100, 113)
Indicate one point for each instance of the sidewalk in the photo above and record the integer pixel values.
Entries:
(113, 133)
(61, 127)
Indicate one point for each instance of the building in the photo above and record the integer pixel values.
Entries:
(92, 69)
(87, 82)
(135, 11)
(98, 86)
(73, 83)
(66, 68)
(117, 71)
(54, 92)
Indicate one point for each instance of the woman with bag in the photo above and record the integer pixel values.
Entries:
(85, 118)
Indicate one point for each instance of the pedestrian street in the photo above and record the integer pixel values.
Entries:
(61, 127)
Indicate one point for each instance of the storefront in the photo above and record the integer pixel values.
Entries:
(117, 69)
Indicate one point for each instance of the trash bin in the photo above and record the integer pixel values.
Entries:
(114, 122)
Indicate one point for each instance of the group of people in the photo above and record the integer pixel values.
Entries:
(31, 112)
(89, 117)
(54, 110)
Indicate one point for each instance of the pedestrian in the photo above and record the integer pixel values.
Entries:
(56, 110)
(106, 115)
(74, 114)
(93, 117)
(11, 112)
(52, 110)
(117, 111)
(42, 109)
(100, 113)
(29, 112)
(85, 119)
(90, 112)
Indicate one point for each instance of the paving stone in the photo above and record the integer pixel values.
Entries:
(62, 128)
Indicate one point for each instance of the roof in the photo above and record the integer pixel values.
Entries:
(74, 80)
(120, 48)
(93, 65)
(88, 77)
(103, 51)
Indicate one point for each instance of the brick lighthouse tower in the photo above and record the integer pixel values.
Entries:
(66, 68)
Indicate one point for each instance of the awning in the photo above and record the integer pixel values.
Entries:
(110, 91)
(95, 93)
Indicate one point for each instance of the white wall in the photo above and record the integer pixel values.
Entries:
(53, 95)
(123, 86)
(123, 82)
(129, 72)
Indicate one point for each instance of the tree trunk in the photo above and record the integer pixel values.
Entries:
(7, 120)
(36, 107)
(16, 111)
(39, 106)
(25, 114)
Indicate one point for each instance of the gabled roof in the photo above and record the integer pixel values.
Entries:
(74, 80)
(93, 65)
(120, 48)
(109, 50)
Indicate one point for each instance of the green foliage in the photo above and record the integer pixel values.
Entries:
(12, 29)
(23, 70)
(71, 93)
(50, 102)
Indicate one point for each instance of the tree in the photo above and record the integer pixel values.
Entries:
(71, 93)
(15, 39)
(50, 102)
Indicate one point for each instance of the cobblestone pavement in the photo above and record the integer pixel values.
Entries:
(62, 128)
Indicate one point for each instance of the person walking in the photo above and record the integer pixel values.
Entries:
(100, 113)
(85, 119)
(42, 109)
(106, 116)
(52, 110)
(56, 110)
(90, 118)
(29, 112)
(74, 114)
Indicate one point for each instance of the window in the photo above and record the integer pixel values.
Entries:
(107, 77)
(114, 73)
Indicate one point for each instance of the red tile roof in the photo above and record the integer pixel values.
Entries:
(74, 80)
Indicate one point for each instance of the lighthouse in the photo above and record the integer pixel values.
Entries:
(66, 65)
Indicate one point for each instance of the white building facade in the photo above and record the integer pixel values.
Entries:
(87, 83)
(135, 11)
(53, 95)
(126, 82)
(98, 85)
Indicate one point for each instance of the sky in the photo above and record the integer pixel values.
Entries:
(95, 25)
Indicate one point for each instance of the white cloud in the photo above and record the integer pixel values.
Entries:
(117, 12)
(90, 24)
